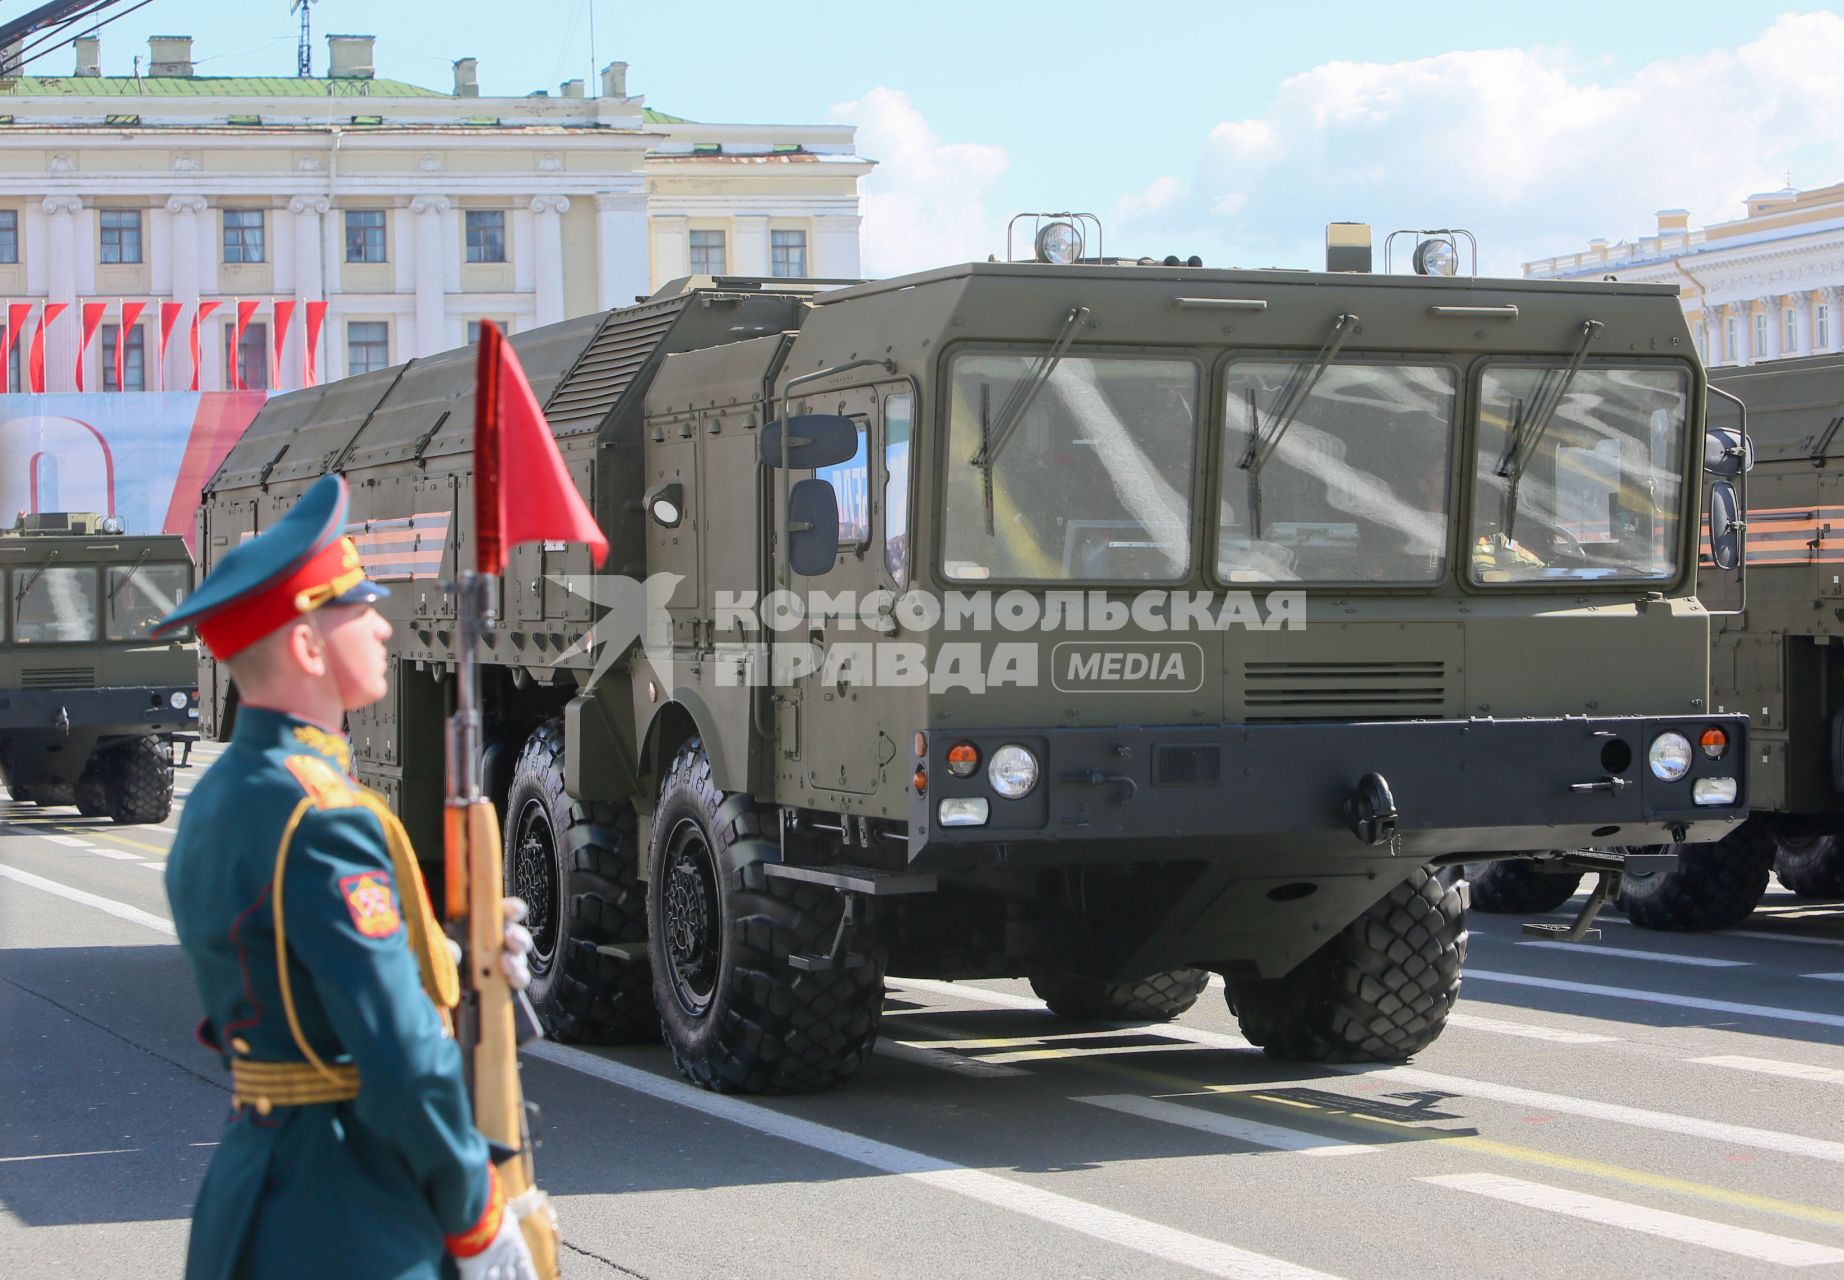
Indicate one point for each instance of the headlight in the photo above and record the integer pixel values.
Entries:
(1714, 790)
(177, 700)
(1715, 743)
(1058, 242)
(1013, 772)
(963, 759)
(1436, 258)
(112, 524)
(963, 812)
(1669, 756)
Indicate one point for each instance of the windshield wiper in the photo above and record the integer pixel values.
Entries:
(129, 577)
(37, 573)
(994, 435)
(1523, 436)
(1299, 386)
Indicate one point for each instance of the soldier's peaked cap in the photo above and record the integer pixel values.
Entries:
(301, 563)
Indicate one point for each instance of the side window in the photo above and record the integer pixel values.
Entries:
(897, 414)
(851, 481)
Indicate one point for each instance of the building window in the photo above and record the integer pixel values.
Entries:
(707, 253)
(121, 235)
(787, 254)
(9, 235)
(134, 358)
(486, 235)
(243, 236)
(365, 235)
(368, 345)
(1821, 326)
(251, 356)
(1789, 331)
(1760, 334)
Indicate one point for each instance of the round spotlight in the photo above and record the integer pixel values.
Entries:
(1059, 242)
(112, 524)
(1436, 258)
(963, 759)
(177, 700)
(1012, 772)
(1669, 756)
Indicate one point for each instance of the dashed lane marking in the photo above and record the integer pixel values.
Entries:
(69, 842)
(152, 866)
(120, 910)
(1763, 935)
(1659, 997)
(69, 1155)
(1825, 977)
(119, 855)
(931, 1056)
(1255, 1133)
(1775, 1067)
(1169, 1244)
(1526, 1030)
(99, 834)
(1741, 1241)
(1627, 953)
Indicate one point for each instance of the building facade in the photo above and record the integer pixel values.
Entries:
(383, 219)
(1763, 287)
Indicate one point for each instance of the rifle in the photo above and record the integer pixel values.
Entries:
(474, 866)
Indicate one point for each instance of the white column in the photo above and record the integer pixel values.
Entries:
(431, 300)
(61, 339)
(1778, 305)
(1746, 353)
(835, 248)
(184, 213)
(1802, 317)
(1832, 296)
(621, 247)
(547, 254)
(307, 213)
(749, 255)
(671, 250)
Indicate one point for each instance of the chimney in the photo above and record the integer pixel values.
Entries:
(571, 88)
(467, 77)
(350, 57)
(614, 80)
(1673, 220)
(169, 56)
(89, 56)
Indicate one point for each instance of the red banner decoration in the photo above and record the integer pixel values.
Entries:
(284, 314)
(36, 357)
(198, 318)
(246, 308)
(131, 315)
(93, 312)
(169, 316)
(316, 315)
(16, 316)
(513, 441)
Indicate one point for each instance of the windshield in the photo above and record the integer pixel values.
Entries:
(1093, 482)
(140, 597)
(54, 605)
(1590, 490)
(1350, 488)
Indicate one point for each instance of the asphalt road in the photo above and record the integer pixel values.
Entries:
(1655, 1105)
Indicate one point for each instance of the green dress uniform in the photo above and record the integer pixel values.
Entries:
(350, 1149)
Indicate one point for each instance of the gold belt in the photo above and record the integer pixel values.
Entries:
(267, 1085)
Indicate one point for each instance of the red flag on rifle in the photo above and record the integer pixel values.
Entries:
(513, 444)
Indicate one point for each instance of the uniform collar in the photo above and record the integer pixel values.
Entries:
(267, 730)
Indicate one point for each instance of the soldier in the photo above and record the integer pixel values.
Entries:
(326, 981)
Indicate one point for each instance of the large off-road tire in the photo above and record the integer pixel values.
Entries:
(1811, 863)
(577, 866)
(91, 792)
(138, 782)
(1715, 886)
(1157, 998)
(49, 795)
(1378, 991)
(737, 1015)
(1523, 886)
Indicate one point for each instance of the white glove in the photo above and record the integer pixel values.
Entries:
(517, 944)
(506, 1258)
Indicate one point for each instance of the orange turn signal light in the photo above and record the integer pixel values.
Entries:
(920, 781)
(963, 759)
(1714, 742)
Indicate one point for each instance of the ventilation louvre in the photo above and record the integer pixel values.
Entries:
(1345, 690)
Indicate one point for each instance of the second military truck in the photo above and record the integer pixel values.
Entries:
(1100, 623)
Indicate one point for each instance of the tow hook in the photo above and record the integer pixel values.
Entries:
(1096, 778)
(62, 721)
(1609, 784)
(1370, 810)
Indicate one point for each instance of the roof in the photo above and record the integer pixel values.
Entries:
(215, 87)
(650, 116)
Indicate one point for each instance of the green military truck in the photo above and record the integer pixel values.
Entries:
(1102, 623)
(90, 705)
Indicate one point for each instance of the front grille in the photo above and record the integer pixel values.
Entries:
(58, 678)
(1344, 690)
(1186, 765)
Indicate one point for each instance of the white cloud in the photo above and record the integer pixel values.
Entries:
(925, 203)
(1519, 145)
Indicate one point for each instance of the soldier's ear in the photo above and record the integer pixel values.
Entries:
(307, 647)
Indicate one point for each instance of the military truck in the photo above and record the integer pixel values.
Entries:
(90, 706)
(1102, 623)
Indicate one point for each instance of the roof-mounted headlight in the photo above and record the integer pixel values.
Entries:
(111, 524)
(1436, 258)
(1059, 242)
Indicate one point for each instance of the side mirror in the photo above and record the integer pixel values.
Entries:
(1727, 452)
(817, 440)
(1725, 526)
(813, 527)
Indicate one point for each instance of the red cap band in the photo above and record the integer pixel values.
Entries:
(330, 572)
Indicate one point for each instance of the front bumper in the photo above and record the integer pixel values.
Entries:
(106, 711)
(1150, 793)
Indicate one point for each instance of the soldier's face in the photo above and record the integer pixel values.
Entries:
(355, 653)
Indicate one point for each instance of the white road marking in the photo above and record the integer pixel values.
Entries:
(1150, 1238)
(69, 1155)
(1253, 1132)
(1741, 1241)
(152, 866)
(942, 1060)
(70, 842)
(1626, 953)
(1526, 1030)
(1774, 1067)
(1761, 934)
(1825, 977)
(172, 831)
(1658, 997)
(1464, 1086)
(120, 855)
(120, 910)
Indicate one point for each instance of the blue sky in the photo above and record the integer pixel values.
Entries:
(1227, 129)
